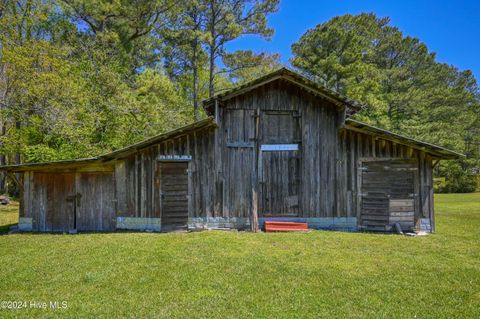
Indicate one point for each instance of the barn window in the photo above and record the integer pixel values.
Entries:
(240, 128)
(280, 127)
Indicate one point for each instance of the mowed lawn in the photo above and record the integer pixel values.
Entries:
(243, 275)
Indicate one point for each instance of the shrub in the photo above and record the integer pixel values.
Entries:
(458, 179)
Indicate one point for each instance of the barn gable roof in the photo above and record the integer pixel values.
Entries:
(288, 75)
(291, 77)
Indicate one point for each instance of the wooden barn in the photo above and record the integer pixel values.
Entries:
(279, 148)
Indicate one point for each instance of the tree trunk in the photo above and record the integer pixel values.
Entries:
(211, 84)
(3, 161)
(3, 129)
(18, 161)
(211, 80)
(195, 80)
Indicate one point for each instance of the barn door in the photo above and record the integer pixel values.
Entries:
(279, 182)
(279, 164)
(174, 195)
(95, 210)
(388, 195)
(54, 201)
(74, 201)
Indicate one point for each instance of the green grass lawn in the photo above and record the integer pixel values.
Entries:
(234, 274)
(8, 216)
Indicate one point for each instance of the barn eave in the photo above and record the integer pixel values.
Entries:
(63, 165)
(432, 149)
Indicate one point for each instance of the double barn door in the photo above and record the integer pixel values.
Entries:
(279, 164)
(65, 202)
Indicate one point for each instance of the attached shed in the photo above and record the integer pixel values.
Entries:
(278, 148)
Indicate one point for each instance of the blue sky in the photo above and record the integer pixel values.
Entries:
(449, 28)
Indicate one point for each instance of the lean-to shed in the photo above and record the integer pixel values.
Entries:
(278, 148)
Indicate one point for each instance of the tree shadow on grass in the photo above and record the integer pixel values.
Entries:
(4, 229)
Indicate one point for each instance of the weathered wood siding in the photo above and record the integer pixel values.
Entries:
(329, 155)
(358, 146)
(95, 203)
(51, 208)
(64, 201)
(388, 193)
(279, 183)
(308, 121)
(137, 185)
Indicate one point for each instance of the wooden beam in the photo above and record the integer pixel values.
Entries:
(256, 163)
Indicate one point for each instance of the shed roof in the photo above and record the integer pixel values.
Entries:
(435, 150)
(292, 77)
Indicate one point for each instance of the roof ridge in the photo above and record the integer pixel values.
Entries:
(297, 78)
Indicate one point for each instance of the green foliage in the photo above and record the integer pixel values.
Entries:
(68, 93)
(196, 40)
(126, 26)
(459, 178)
(246, 65)
(227, 20)
(439, 183)
(79, 78)
(44, 92)
(155, 107)
(405, 90)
